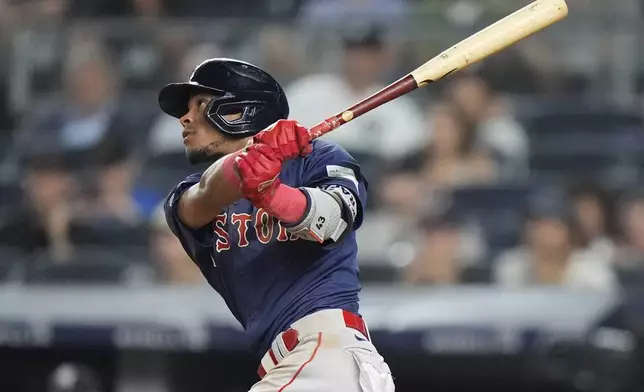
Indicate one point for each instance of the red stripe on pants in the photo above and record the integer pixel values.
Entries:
(317, 346)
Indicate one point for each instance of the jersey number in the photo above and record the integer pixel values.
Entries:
(320, 223)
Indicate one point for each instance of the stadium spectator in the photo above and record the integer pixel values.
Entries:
(438, 259)
(552, 252)
(32, 66)
(390, 132)
(42, 222)
(174, 266)
(452, 158)
(113, 194)
(140, 59)
(512, 72)
(88, 114)
(495, 126)
(280, 50)
(34, 12)
(631, 220)
(149, 8)
(594, 209)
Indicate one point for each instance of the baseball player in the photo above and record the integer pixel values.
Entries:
(271, 224)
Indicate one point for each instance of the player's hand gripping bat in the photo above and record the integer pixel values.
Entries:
(494, 38)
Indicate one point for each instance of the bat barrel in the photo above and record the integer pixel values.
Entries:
(494, 38)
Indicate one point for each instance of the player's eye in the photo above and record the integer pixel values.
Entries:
(201, 103)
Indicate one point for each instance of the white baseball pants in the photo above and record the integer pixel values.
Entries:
(324, 355)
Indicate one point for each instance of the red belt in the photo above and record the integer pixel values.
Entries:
(291, 340)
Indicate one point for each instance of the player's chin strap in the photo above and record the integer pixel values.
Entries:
(330, 214)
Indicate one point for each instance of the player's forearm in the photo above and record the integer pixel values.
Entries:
(288, 204)
(219, 184)
(218, 188)
(220, 181)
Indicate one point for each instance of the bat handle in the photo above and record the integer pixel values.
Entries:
(325, 127)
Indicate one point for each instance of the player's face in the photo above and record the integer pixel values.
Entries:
(203, 142)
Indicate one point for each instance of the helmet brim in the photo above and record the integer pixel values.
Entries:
(174, 97)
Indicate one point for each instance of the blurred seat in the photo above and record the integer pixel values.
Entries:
(495, 196)
(630, 276)
(572, 117)
(587, 164)
(6, 142)
(110, 234)
(618, 140)
(10, 194)
(161, 172)
(87, 266)
(168, 160)
(481, 273)
(370, 164)
(161, 181)
(11, 261)
(378, 232)
(580, 138)
(498, 209)
(378, 273)
(612, 156)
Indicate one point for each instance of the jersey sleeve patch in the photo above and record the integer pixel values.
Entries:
(337, 171)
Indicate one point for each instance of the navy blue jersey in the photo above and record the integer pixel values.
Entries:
(268, 277)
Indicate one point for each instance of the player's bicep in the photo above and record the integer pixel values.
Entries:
(195, 207)
(190, 208)
(352, 194)
(193, 239)
(347, 200)
(331, 169)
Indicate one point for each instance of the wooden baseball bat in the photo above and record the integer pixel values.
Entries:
(494, 38)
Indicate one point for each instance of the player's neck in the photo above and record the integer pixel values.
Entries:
(237, 145)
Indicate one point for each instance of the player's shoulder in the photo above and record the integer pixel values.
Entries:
(327, 149)
(330, 160)
(188, 181)
(178, 189)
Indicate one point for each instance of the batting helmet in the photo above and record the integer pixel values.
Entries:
(238, 87)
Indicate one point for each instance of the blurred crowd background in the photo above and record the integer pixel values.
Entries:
(525, 170)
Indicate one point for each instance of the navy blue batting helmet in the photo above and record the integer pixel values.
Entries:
(238, 87)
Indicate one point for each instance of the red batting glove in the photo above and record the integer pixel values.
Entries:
(258, 168)
(287, 137)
